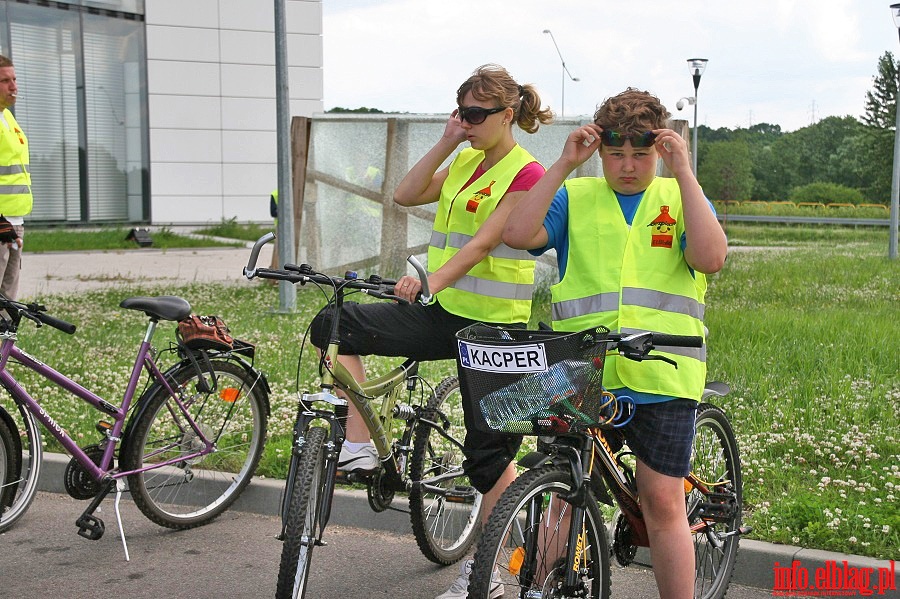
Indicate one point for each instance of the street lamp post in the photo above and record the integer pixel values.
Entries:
(895, 180)
(565, 71)
(697, 66)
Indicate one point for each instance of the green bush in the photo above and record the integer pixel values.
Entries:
(826, 193)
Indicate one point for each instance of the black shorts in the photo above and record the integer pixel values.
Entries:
(662, 435)
(422, 333)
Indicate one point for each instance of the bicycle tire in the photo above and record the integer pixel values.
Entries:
(715, 459)
(444, 530)
(518, 552)
(18, 494)
(10, 464)
(193, 492)
(302, 518)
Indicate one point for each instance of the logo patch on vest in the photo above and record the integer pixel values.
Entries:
(472, 204)
(663, 227)
(490, 358)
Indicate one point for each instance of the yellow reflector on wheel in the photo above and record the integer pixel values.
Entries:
(515, 560)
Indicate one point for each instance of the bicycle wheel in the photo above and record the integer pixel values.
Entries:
(716, 463)
(302, 518)
(193, 491)
(10, 463)
(21, 479)
(524, 546)
(446, 522)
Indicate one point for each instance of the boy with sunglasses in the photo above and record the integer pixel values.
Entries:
(632, 250)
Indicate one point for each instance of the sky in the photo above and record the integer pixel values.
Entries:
(784, 62)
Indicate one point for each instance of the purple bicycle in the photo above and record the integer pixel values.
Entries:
(186, 447)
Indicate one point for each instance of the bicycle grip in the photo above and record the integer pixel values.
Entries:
(56, 323)
(250, 269)
(662, 339)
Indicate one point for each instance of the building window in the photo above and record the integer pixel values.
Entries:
(82, 104)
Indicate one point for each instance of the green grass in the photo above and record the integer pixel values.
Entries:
(235, 230)
(71, 240)
(806, 336)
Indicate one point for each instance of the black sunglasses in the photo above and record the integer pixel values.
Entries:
(476, 114)
(617, 140)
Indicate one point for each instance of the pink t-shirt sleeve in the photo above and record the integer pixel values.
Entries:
(527, 177)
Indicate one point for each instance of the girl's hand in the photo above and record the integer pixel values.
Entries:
(408, 288)
(453, 131)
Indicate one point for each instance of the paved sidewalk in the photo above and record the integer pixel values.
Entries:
(66, 272)
(56, 273)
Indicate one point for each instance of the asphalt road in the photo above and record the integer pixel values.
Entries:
(236, 556)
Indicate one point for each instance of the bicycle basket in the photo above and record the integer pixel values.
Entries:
(522, 381)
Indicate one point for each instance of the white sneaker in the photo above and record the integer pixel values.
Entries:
(364, 458)
(460, 587)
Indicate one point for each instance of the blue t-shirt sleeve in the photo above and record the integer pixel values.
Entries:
(556, 223)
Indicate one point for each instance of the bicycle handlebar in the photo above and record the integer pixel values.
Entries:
(373, 285)
(37, 313)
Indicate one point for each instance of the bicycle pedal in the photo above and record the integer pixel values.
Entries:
(347, 477)
(461, 495)
(90, 527)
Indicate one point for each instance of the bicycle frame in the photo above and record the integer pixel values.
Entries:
(119, 414)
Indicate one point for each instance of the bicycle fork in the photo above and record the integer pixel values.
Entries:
(336, 421)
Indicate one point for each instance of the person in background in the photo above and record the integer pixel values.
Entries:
(273, 212)
(633, 250)
(15, 183)
(474, 277)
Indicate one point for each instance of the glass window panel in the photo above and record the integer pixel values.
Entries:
(113, 80)
(42, 44)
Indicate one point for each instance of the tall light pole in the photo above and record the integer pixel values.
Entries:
(697, 66)
(895, 181)
(565, 71)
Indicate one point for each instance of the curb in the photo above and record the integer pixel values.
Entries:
(755, 565)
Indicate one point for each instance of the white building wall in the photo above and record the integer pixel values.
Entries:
(211, 88)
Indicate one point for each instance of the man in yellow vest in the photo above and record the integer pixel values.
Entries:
(632, 250)
(15, 182)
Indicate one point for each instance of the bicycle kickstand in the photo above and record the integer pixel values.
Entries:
(120, 487)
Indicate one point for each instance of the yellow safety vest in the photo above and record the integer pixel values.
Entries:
(633, 279)
(499, 288)
(15, 176)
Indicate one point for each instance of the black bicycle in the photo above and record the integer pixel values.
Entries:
(546, 536)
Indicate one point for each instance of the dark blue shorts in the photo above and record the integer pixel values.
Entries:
(662, 435)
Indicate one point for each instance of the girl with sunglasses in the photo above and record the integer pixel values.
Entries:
(633, 250)
(474, 276)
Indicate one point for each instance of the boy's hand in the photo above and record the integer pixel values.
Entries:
(581, 144)
(673, 149)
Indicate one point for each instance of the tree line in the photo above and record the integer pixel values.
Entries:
(838, 159)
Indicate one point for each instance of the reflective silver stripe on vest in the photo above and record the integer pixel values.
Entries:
(510, 291)
(602, 302)
(697, 353)
(667, 302)
(13, 169)
(14, 190)
(438, 240)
